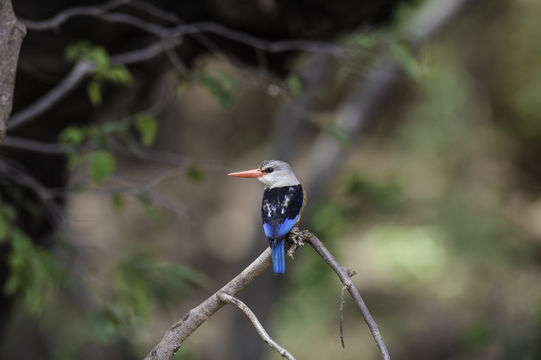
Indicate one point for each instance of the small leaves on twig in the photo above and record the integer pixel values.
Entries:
(103, 71)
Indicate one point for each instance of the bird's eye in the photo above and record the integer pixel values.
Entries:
(269, 170)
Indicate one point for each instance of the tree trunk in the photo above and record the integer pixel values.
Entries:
(12, 33)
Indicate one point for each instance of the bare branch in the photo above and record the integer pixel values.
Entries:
(56, 21)
(258, 43)
(344, 277)
(12, 33)
(180, 331)
(17, 173)
(101, 12)
(260, 329)
(74, 78)
(146, 53)
(35, 146)
(79, 72)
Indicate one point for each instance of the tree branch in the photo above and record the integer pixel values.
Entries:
(74, 78)
(56, 21)
(260, 329)
(345, 278)
(79, 72)
(182, 329)
(102, 12)
(12, 33)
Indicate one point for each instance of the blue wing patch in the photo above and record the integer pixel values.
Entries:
(279, 230)
(280, 210)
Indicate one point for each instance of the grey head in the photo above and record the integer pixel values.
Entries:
(277, 173)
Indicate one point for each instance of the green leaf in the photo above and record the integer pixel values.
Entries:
(72, 135)
(147, 125)
(118, 74)
(405, 56)
(99, 56)
(118, 202)
(146, 201)
(101, 164)
(295, 85)
(93, 89)
(195, 174)
(364, 41)
(83, 50)
(221, 85)
(34, 273)
(110, 127)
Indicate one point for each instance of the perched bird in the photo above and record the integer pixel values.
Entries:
(282, 205)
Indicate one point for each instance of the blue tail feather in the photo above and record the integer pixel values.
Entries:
(278, 258)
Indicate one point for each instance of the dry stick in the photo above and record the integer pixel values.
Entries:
(260, 329)
(344, 277)
(342, 301)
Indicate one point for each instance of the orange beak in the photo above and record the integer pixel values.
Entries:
(255, 173)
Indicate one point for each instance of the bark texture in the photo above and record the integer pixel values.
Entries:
(12, 33)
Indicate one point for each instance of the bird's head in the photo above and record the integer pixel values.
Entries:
(272, 173)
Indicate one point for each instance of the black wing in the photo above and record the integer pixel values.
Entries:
(280, 209)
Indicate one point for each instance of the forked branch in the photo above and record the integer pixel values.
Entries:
(182, 329)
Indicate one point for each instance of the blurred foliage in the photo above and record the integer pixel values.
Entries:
(105, 71)
(220, 84)
(295, 85)
(195, 174)
(34, 274)
(101, 165)
(137, 284)
(147, 125)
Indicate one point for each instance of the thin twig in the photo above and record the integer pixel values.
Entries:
(342, 301)
(62, 17)
(43, 147)
(183, 29)
(344, 277)
(18, 174)
(259, 328)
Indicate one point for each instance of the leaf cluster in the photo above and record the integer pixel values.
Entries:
(105, 71)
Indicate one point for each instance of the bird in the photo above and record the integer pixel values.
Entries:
(282, 205)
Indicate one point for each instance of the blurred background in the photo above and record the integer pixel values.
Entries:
(414, 126)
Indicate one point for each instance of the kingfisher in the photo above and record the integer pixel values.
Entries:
(282, 205)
